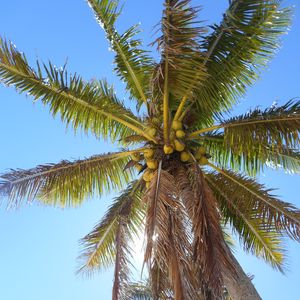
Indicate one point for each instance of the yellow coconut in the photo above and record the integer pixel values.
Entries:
(176, 125)
(151, 175)
(135, 157)
(184, 156)
(152, 164)
(168, 149)
(146, 176)
(147, 185)
(180, 134)
(179, 146)
(139, 167)
(151, 131)
(148, 153)
(203, 161)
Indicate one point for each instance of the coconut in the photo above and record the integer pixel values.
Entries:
(179, 146)
(148, 153)
(147, 185)
(151, 131)
(176, 125)
(151, 175)
(152, 164)
(139, 167)
(184, 156)
(180, 134)
(136, 157)
(203, 161)
(146, 175)
(168, 149)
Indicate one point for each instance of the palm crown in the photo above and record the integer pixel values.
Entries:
(189, 171)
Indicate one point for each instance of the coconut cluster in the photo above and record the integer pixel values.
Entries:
(148, 159)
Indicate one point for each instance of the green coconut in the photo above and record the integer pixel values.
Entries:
(184, 156)
(176, 125)
(152, 164)
(168, 149)
(146, 176)
(179, 146)
(203, 161)
(135, 156)
(148, 153)
(151, 131)
(180, 134)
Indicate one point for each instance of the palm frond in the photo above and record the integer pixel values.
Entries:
(263, 242)
(168, 246)
(237, 49)
(210, 253)
(275, 214)
(100, 247)
(179, 46)
(91, 107)
(133, 64)
(250, 163)
(277, 125)
(67, 183)
(122, 270)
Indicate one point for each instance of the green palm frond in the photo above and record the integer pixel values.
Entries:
(255, 237)
(180, 50)
(274, 213)
(246, 39)
(90, 106)
(99, 246)
(133, 64)
(67, 183)
(250, 163)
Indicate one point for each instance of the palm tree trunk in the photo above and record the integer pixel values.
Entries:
(240, 288)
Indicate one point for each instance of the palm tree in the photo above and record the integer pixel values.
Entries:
(188, 172)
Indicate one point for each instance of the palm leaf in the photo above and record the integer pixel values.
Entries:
(122, 271)
(250, 163)
(179, 46)
(210, 253)
(274, 213)
(133, 64)
(100, 247)
(168, 247)
(237, 49)
(67, 183)
(89, 106)
(255, 237)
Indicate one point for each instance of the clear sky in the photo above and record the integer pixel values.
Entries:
(39, 245)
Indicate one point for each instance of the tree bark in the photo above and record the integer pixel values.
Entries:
(240, 288)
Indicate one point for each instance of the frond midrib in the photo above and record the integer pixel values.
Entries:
(253, 229)
(78, 100)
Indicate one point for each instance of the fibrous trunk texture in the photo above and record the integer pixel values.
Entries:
(242, 288)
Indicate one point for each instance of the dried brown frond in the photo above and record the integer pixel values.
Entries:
(210, 254)
(168, 245)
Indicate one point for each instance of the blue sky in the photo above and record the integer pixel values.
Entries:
(39, 245)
